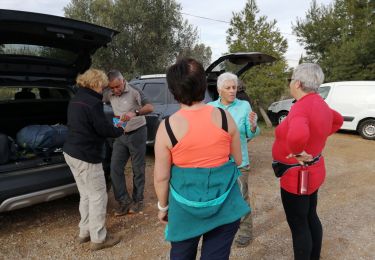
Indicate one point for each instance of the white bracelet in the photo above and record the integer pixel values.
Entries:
(165, 209)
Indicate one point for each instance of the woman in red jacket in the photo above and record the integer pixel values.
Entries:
(300, 139)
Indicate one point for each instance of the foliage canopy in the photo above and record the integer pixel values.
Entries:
(250, 32)
(152, 34)
(341, 38)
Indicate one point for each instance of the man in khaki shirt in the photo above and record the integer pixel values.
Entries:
(130, 105)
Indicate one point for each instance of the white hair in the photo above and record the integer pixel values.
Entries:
(226, 76)
(310, 75)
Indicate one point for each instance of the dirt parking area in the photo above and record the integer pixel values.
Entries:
(346, 208)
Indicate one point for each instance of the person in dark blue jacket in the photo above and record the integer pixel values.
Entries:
(83, 149)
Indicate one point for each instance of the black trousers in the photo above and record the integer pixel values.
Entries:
(304, 224)
(127, 146)
(216, 244)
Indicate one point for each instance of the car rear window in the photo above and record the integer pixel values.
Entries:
(34, 93)
(38, 51)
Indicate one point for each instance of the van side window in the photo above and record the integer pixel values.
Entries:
(323, 91)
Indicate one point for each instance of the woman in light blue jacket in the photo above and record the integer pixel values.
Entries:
(246, 121)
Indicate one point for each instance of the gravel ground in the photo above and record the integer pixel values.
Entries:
(346, 208)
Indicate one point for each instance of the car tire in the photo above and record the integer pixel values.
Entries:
(281, 116)
(367, 129)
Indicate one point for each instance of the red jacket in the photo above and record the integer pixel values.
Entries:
(306, 128)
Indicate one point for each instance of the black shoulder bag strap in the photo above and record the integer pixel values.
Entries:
(224, 121)
(170, 133)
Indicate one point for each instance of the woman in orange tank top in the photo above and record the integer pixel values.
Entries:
(197, 148)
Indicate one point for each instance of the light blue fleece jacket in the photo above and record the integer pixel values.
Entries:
(240, 110)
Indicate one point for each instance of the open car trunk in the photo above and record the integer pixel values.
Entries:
(25, 106)
(237, 63)
(31, 171)
(40, 58)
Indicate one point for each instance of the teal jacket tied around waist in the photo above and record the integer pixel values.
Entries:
(201, 199)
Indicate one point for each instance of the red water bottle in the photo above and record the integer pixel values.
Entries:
(303, 180)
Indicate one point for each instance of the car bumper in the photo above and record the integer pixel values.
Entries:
(25, 187)
(29, 199)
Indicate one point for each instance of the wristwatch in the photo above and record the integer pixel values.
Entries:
(137, 112)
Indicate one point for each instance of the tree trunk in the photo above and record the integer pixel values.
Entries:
(265, 116)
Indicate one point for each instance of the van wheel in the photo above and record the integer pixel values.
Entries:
(367, 129)
(281, 116)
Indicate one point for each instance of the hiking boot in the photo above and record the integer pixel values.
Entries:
(123, 209)
(242, 241)
(109, 241)
(82, 240)
(136, 207)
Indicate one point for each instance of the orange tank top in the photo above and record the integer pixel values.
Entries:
(204, 145)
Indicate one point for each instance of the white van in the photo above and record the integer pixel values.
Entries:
(354, 100)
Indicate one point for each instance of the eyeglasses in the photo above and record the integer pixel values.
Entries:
(290, 80)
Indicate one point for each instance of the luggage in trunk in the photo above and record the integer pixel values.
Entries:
(41, 138)
(7, 149)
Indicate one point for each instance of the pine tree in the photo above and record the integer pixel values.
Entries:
(341, 38)
(251, 32)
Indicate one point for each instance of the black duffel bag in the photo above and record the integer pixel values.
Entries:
(39, 138)
(8, 149)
